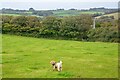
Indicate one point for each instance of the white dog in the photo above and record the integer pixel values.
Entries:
(57, 65)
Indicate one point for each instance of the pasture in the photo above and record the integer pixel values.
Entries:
(12, 14)
(26, 57)
(58, 13)
(73, 12)
(112, 14)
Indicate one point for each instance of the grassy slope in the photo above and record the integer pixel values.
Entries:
(29, 58)
(112, 14)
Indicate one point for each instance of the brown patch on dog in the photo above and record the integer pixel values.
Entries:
(53, 63)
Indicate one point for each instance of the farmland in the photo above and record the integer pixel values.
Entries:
(57, 13)
(112, 14)
(73, 12)
(26, 57)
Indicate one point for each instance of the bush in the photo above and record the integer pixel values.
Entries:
(73, 28)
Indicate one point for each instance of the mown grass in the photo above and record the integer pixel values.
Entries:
(25, 57)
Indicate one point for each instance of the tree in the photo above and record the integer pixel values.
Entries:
(31, 9)
(51, 26)
(33, 21)
(20, 21)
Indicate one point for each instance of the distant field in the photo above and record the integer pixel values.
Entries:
(112, 14)
(72, 12)
(61, 13)
(66, 12)
(25, 57)
(20, 15)
(12, 14)
(24, 13)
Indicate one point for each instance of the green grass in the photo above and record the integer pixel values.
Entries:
(21, 15)
(60, 13)
(73, 12)
(25, 57)
(12, 14)
(112, 14)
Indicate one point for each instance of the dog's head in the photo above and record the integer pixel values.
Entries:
(52, 62)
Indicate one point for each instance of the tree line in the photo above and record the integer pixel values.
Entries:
(32, 11)
(73, 27)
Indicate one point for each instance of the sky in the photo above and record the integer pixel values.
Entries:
(57, 4)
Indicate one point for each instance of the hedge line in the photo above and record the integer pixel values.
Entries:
(73, 28)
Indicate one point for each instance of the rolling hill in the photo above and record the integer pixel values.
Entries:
(26, 57)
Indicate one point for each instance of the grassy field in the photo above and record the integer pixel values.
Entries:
(112, 14)
(60, 13)
(30, 58)
(73, 12)
(11, 14)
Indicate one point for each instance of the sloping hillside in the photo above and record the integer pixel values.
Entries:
(112, 14)
(25, 57)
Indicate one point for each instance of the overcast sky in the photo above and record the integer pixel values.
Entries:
(55, 4)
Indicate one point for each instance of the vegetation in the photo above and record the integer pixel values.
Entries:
(25, 57)
(74, 12)
(105, 10)
(58, 12)
(42, 13)
(72, 27)
(115, 15)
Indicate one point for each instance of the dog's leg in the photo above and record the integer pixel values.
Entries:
(58, 68)
(53, 68)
